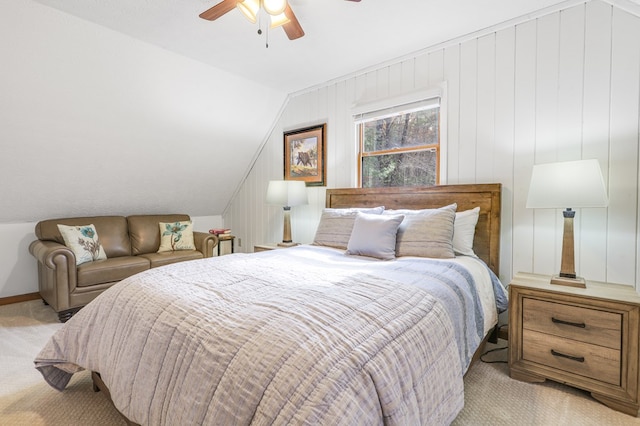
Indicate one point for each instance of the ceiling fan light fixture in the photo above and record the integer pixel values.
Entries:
(274, 7)
(249, 8)
(279, 20)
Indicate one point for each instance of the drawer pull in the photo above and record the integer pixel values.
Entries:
(573, 358)
(573, 324)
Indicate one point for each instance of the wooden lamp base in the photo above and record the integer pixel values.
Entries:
(572, 282)
(286, 235)
(567, 274)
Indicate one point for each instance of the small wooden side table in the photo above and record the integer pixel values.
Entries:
(225, 237)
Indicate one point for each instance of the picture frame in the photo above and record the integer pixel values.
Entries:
(305, 155)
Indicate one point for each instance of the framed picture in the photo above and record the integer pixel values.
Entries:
(305, 155)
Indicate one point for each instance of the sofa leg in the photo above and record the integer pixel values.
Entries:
(45, 302)
(64, 316)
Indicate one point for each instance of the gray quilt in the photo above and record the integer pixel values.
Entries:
(304, 335)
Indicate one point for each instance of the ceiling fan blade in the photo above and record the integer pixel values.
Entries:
(218, 10)
(292, 28)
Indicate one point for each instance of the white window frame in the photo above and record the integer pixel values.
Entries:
(363, 112)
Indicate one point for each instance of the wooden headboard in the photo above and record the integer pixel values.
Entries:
(487, 196)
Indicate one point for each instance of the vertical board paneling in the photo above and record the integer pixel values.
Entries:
(545, 242)
(595, 133)
(468, 112)
(436, 68)
(560, 87)
(623, 169)
(486, 106)
(524, 132)
(421, 71)
(571, 83)
(504, 139)
(452, 77)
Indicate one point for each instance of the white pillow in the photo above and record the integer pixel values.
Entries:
(176, 236)
(334, 229)
(464, 231)
(374, 235)
(426, 233)
(83, 241)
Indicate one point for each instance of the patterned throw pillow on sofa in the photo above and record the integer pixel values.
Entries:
(83, 242)
(176, 236)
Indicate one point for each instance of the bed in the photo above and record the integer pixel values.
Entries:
(313, 334)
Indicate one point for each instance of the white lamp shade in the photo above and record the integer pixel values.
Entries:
(250, 9)
(569, 184)
(279, 20)
(274, 7)
(287, 193)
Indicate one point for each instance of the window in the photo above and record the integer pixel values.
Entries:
(400, 146)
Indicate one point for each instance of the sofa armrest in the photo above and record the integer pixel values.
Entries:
(205, 242)
(52, 254)
(57, 273)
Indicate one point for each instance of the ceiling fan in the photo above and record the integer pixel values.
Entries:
(279, 12)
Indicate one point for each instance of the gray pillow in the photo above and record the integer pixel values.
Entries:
(426, 233)
(334, 229)
(374, 235)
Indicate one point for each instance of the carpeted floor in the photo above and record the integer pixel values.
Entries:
(491, 397)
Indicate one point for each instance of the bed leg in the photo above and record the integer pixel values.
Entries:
(493, 337)
(97, 381)
(99, 385)
(66, 315)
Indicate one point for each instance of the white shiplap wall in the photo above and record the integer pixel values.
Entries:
(562, 86)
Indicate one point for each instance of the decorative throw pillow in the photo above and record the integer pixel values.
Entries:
(83, 241)
(464, 231)
(176, 236)
(374, 235)
(334, 229)
(426, 233)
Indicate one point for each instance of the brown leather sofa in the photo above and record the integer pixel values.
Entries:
(130, 243)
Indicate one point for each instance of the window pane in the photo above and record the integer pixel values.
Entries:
(416, 168)
(401, 131)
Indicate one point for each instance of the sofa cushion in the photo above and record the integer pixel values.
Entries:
(84, 242)
(110, 270)
(176, 236)
(144, 231)
(167, 257)
(111, 229)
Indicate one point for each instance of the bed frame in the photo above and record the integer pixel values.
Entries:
(486, 196)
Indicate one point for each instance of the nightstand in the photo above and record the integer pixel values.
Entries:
(226, 240)
(584, 337)
(271, 246)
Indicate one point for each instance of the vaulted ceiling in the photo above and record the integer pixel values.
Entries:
(140, 106)
(341, 36)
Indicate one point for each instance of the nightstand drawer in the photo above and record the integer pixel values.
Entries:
(587, 360)
(573, 322)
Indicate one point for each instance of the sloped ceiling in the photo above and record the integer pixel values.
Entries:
(96, 122)
(139, 106)
(341, 36)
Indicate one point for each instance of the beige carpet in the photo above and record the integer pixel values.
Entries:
(491, 397)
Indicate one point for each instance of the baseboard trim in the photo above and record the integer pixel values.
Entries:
(19, 298)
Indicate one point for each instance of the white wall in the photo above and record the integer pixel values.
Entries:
(558, 87)
(94, 122)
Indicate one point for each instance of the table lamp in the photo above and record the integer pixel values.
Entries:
(287, 193)
(569, 184)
